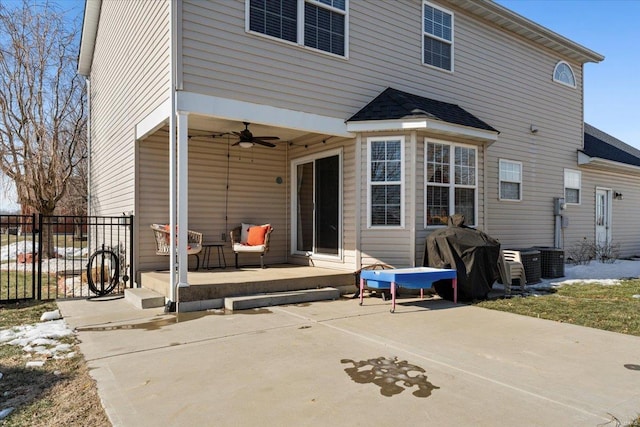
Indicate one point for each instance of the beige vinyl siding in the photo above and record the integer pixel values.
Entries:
(494, 72)
(129, 79)
(501, 78)
(625, 228)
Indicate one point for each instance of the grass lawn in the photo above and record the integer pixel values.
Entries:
(611, 308)
(61, 393)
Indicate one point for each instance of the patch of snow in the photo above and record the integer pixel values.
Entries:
(14, 249)
(594, 272)
(35, 364)
(41, 338)
(50, 315)
(5, 413)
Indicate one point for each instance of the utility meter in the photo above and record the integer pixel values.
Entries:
(558, 205)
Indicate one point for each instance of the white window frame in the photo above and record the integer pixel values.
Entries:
(566, 186)
(433, 36)
(300, 26)
(570, 69)
(370, 183)
(452, 185)
(502, 162)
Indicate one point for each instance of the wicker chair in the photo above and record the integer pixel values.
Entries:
(242, 247)
(194, 240)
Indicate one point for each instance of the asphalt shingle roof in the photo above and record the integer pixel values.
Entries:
(393, 104)
(604, 146)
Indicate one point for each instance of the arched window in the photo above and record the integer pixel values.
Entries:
(564, 74)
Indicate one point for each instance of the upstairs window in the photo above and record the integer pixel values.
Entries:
(320, 25)
(437, 38)
(572, 186)
(563, 74)
(385, 181)
(510, 180)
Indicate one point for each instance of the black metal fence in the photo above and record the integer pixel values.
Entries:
(49, 257)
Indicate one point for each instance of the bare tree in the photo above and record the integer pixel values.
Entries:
(42, 103)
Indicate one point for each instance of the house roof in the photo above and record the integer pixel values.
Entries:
(600, 146)
(484, 9)
(393, 104)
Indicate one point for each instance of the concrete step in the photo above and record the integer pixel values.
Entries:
(280, 298)
(143, 298)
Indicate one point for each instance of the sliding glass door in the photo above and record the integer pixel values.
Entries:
(316, 202)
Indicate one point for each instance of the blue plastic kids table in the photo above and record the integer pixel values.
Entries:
(412, 278)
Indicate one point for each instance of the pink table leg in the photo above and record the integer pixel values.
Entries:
(393, 297)
(455, 290)
(361, 290)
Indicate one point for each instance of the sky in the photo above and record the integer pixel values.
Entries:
(612, 29)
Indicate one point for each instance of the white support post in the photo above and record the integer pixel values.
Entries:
(172, 208)
(183, 197)
(172, 154)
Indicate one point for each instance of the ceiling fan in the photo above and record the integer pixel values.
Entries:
(247, 140)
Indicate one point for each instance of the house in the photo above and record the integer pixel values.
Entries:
(390, 116)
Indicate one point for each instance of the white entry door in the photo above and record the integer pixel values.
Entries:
(603, 217)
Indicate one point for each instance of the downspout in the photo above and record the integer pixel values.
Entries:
(485, 197)
(172, 154)
(89, 202)
(358, 201)
(412, 202)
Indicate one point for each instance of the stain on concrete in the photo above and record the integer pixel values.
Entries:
(391, 375)
(171, 319)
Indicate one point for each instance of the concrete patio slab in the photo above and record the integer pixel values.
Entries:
(337, 363)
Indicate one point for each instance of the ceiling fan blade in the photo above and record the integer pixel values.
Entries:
(261, 142)
(267, 138)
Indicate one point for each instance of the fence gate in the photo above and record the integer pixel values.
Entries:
(49, 257)
(18, 239)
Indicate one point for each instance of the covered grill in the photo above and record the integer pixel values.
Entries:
(471, 252)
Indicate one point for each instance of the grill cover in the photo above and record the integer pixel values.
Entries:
(471, 252)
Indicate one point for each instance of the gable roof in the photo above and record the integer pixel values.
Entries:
(394, 109)
(600, 148)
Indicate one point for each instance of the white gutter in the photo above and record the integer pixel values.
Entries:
(88, 36)
(422, 124)
(89, 192)
(586, 160)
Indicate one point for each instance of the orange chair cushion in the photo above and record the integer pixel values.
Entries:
(257, 234)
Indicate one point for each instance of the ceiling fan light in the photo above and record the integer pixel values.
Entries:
(246, 144)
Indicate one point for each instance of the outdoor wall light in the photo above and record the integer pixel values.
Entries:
(533, 128)
(618, 196)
